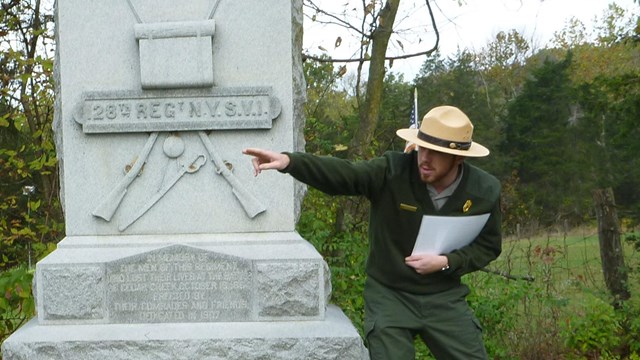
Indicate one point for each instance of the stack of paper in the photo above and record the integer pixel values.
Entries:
(443, 234)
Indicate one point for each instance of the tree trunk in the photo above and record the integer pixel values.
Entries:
(370, 111)
(613, 267)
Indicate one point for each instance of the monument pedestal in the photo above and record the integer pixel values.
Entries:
(331, 338)
(201, 296)
(174, 249)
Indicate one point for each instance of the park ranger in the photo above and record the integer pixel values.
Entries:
(409, 295)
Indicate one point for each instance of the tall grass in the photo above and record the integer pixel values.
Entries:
(552, 302)
(543, 298)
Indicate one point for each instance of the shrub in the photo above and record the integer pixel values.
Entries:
(16, 303)
(594, 329)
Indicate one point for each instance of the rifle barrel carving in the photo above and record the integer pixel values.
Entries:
(110, 203)
(251, 205)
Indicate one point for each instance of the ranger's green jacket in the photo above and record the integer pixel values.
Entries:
(399, 199)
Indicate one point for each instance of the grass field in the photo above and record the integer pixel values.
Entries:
(551, 301)
(572, 261)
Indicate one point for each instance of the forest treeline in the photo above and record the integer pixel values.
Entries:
(560, 121)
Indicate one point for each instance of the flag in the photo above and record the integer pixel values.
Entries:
(413, 120)
(414, 111)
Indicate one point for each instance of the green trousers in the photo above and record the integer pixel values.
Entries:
(443, 320)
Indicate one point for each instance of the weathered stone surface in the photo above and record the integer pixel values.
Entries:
(180, 284)
(237, 108)
(290, 289)
(332, 338)
(200, 280)
(256, 45)
(73, 292)
(176, 54)
(173, 249)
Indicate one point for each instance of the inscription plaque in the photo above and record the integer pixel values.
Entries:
(179, 284)
(214, 109)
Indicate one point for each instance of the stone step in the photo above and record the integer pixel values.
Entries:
(331, 338)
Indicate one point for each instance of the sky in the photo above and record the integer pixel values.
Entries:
(471, 26)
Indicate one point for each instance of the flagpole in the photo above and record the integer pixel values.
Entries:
(415, 106)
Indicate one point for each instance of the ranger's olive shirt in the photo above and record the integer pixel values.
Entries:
(399, 199)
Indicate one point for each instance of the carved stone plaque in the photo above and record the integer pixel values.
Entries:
(179, 284)
(178, 110)
(176, 54)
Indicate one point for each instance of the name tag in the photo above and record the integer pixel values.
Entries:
(408, 207)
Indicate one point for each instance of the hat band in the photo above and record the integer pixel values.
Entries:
(444, 143)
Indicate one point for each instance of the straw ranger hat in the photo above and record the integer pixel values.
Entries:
(446, 129)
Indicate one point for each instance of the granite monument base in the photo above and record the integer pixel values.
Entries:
(196, 296)
(331, 338)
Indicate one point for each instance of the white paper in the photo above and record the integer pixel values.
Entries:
(443, 234)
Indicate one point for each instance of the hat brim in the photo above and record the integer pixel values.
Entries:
(411, 135)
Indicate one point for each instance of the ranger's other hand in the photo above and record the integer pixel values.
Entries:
(426, 263)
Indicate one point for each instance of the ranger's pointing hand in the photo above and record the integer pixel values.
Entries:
(266, 160)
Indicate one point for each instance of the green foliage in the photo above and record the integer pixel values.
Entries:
(610, 123)
(629, 316)
(395, 112)
(30, 213)
(30, 223)
(520, 318)
(517, 209)
(563, 313)
(634, 240)
(540, 139)
(344, 251)
(595, 329)
(537, 129)
(494, 301)
(16, 303)
(329, 113)
(559, 124)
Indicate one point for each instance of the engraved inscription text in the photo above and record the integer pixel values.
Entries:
(179, 287)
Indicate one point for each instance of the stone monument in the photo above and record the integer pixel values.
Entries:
(173, 249)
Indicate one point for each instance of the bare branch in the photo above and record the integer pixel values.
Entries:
(362, 59)
(337, 21)
(528, 278)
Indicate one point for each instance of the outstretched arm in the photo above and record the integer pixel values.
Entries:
(266, 160)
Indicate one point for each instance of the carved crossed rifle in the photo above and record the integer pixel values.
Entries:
(108, 206)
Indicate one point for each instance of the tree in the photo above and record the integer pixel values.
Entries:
(395, 110)
(538, 139)
(605, 72)
(329, 111)
(611, 254)
(373, 24)
(503, 62)
(609, 125)
(606, 50)
(30, 213)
